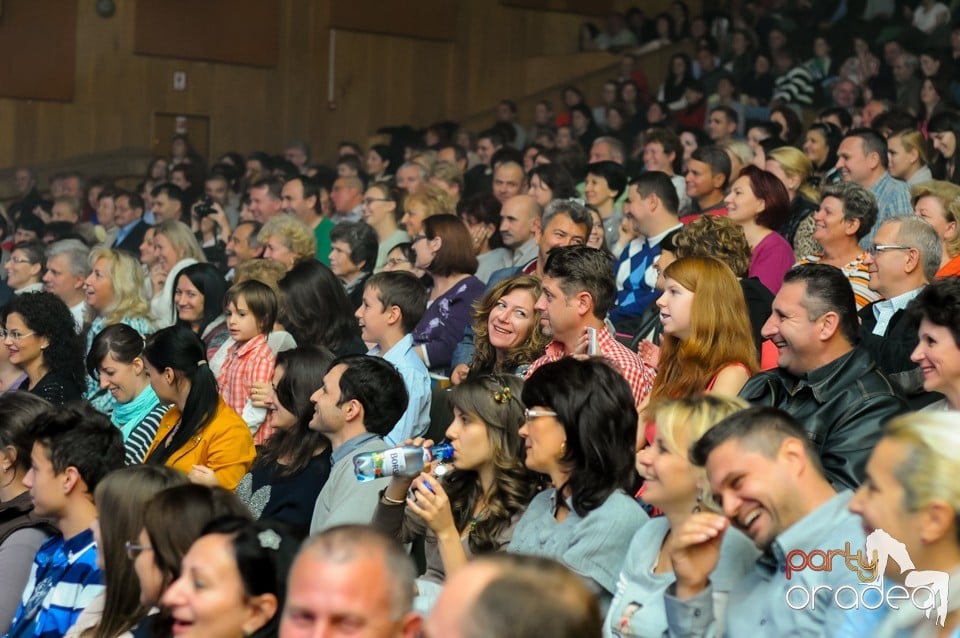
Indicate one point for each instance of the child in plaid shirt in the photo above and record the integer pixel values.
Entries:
(251, 311)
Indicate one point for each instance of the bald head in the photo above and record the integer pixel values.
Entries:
(460, 592)
(519, 220)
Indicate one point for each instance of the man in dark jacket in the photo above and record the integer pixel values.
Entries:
(834, 389)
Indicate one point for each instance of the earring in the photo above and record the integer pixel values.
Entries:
(563, 448)
(696, 508)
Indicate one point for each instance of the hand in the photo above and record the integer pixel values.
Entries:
(459, 374)
(649, 352)
(479, 235)
(432, 505)
(696, 550)
(581, 351)
(261, 394)
(158, 277)
(203, 475)
(219, 217)
(400, 485)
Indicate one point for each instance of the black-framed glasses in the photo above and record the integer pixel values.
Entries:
(882, 248)
(396, 262)
(370, 200)
(135, 549)
(417, 238)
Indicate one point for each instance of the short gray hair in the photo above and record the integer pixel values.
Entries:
(616, 146)
(575, 209)
(347, 543)
(916, 232)
(858, 203)
(77, 252)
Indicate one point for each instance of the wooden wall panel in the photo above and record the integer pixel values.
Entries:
(232, 31)
(37, 45)
(583, 7)
(380, 80)
(428, 19)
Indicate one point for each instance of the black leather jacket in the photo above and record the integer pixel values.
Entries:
(841, 405)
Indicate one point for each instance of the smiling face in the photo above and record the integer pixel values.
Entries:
(188, 300)
(945, 143)
(209, 600)
(167, 256)
(815, 147)
(938, 357)
(675, 305)
(470, 437)
(374, 319)
(753, 491)
(668, 476)
(375, 210)
(539, 190)
(931, 210)
(596, 191)
(853, 164)
(99, 286)
(512, 319)
(829, 225)
(743, 206)
(561, 230)
(879, 500)
(655, 159)
(27, 350)
(792, 330)
(283, 418)
(700, 179)
(124, 381)
(340, 262)
(20, 272)
(413, 215)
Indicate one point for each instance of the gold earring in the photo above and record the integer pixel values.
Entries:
(563, 448)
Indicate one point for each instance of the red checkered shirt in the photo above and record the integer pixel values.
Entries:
(627, 362)
(246, 364)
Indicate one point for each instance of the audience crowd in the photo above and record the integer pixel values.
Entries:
(683, 342)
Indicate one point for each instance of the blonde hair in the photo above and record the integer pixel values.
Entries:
(682, 422)
(181, 238)
(740, 149)
(795, 164)
(932, 463)
(129, 295)
(949, 195)
(292, 233)
(448, 173)
(912, 140)
(435, 201)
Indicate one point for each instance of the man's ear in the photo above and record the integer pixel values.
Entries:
(829, 325)
(583, 303)
(719, 180)
(537, 226)
(394, 315)
(71, 480)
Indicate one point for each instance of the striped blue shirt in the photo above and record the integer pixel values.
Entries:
(63, 580)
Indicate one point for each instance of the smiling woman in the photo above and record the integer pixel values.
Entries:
(938, 353)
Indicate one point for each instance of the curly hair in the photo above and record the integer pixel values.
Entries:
(485, 358)
(129, 297)
(720, 332)
(948, 194)
(48, 316)
(513, 485)
(292, 233)
(715, 236)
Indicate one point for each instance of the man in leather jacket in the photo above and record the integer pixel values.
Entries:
(833, 388)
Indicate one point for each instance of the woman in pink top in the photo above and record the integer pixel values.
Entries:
(760, 204)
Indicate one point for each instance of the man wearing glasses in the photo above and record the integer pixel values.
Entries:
(903, 258)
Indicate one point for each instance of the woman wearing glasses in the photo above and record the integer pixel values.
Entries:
(121, 498)
(581, 431)
(379, 211)
(41, 339)
(473, 508)
(172, 521)
(847, 213)
(25, 267)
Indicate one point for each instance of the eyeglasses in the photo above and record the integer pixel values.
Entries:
(19, 260)
(397, 262)
(530, 413)
(417, 238)
(370, 200)
(135, 549)
(15, 335)
(876, 250)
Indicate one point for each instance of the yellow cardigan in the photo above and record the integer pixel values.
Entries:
(225, 445)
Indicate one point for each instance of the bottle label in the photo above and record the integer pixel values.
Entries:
(389, 463)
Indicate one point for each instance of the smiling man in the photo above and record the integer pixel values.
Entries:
(765, 474)
(834, 389)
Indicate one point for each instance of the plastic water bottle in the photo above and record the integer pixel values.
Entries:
(408, 460)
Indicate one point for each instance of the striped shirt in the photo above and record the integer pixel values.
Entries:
(248, 363)
(858, 276)
(141, 437)
(63, 580)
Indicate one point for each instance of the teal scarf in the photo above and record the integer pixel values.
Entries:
(127, 416)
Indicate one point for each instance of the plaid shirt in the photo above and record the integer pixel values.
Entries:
(246, 364)
(63, 580)
(628, 363)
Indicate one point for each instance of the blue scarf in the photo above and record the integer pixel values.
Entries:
(127, 416)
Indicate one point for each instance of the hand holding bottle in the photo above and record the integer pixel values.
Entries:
(432, 505)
